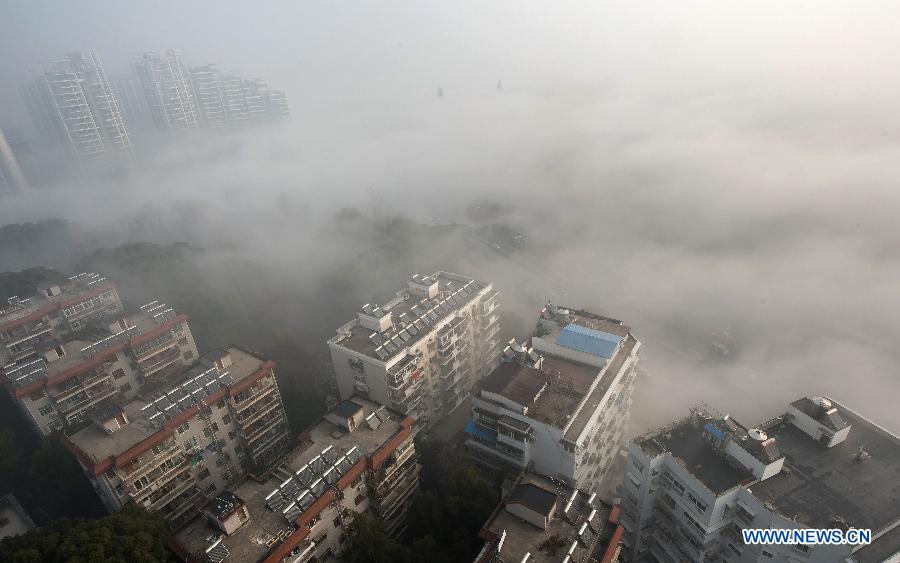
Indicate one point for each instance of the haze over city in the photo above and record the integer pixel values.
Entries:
(721, 176)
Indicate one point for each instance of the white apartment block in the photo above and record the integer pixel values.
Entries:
(73, 103)
(422, 352)
(560, 405)
(169, 92)
(180, 442)
(63, 375)
(693, 485)
(229, 100)
(360, 457)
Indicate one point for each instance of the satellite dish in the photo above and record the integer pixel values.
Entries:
(758, 435)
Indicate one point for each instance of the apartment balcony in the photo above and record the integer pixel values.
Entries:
(37, 330)
(160, 361)
(153, 348)
(158, 475)
(144, 465)
(254, 394)
(92, 396)
(181, 484)
(263, 425)
(259, 408)
(261, 447)
(73, 389)
(182, 513)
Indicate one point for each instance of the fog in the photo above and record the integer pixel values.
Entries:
(692, 168)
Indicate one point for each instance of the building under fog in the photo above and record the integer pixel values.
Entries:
(422, 352)
(559, 403)
(167, 86)
(74, 105)
(691, 486)
(358, 458)
(11, 177)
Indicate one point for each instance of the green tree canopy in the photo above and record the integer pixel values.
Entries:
(131, 535)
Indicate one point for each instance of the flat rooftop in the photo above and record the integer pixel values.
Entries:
(683, 439)
(419, 316)
(159, 401)
(552, 544)
(267, 519)
(559, 389)
(28, 304)
(586, 412)
(826, 486)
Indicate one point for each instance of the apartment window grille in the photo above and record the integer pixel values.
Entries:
(211, 489)
(118, 374)
(203, 475)
(45, 410)
(182, 428)
(125, 388)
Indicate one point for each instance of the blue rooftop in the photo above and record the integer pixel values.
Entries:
(588, 340)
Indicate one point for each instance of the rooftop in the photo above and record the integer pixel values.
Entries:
(24, 305)
(686, 443)
(566, 530)
(327, 452)
(412, 317)
(346, 409)
(559, 390)
(825, 486)
(161, 401)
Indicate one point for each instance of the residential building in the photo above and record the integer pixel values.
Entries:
(56, 375)
(132, 102)
(360, 457)
(73, 104)
(560, 402)
(208, 95)
(540, 519)
(169, 92)
(181, 441)
(13, 518)
(693, 485)
(423, 351)
(231, 100)
(55, 312)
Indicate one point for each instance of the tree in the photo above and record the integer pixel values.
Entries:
(58, 483)
(368, 542)
(131, 535)
(454, 502)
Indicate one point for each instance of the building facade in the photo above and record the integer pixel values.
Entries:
(559, 403)
(229, 100)
(167, 86)
(58, 369)
(73, 103)
(360, 457)
(691, 486)
(540, 519)
(422, 352)
(176, 444)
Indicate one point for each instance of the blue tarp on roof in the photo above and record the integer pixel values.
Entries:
(483, 433)
(588, 340)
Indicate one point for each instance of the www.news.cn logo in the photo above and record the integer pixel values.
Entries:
(756, 536)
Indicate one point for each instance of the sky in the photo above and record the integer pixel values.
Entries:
(690, 167)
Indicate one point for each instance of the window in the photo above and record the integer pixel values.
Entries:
(337, 522)
(125, 388)
(120, 489)
(45, 410)
(767, 555)
(215, 427)
(220, 462)
(358, 499)
(118, 374)
(356, 365)
(182, 341)
(637, 465)
(356, 482)
(220, 404)
(203, 475)
(182, 428)
(188, 355)
(697, 503)
(211, 489)
(190, 444)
